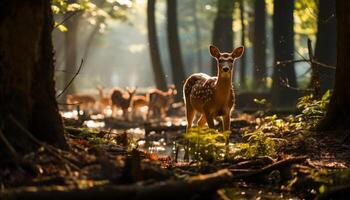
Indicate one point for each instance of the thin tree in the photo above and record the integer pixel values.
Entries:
(259, 44)
(325, 50)
(159, 77)
(338, 112)
(284, 77)
(222, 29)
(198, 39)
(176, 61)
(243, 74)
(27, 88)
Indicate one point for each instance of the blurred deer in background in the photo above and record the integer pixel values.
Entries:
(122, 100)
(84, 101)
(159, 102)
(212, 96)
(104, 101)
(139, 106)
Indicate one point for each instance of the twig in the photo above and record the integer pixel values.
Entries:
(71, 81)
(244, 173)
(66, 19)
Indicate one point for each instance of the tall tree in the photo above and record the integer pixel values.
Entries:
(259, 44)
(197, 36)
(283, 38)
(159, 77)
(176, 61)
(243, 73)
(325, 50)
(338, 113)
(222, 29)
(27, 88)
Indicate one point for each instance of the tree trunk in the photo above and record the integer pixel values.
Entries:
(159, 77)
(243, 74)
(71, 49)
(177, 65)
(325, 50)
(338, 113)
(259, 44)
(222, 29)
(27, 88)
(284, 77)
(197, 37)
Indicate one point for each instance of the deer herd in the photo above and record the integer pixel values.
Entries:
(155, 102)
(210, 96)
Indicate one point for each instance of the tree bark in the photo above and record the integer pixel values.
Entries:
(243, 74)
(176, 61)
(222, 29)
(27, 88)
(338, 112)
(259, 44)
(197, 37)
(325, 50)
(283, 35)
(159, 77)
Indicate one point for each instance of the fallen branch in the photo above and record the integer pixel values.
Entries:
(244, 173)
(172, 189)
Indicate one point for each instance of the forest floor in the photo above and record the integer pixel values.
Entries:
(146, 161)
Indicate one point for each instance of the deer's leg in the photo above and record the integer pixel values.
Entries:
(190, 116)
(226, 122)
(210, 119)
(202, 120)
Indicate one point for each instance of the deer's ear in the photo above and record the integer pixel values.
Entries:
(214, 51)
(238, 52)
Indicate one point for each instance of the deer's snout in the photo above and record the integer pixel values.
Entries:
(225, 69)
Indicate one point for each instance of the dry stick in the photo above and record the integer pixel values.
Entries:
(71, 81)
(243, 173)
(171, 189)
(48, 147)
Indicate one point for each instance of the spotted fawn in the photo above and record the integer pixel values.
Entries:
(212, 96)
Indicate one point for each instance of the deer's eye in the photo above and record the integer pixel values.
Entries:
(221, 61)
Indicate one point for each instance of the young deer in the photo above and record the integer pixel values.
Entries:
(160, 101)
(122, 101)
(85, 101)
(104, 101)
(212, 96)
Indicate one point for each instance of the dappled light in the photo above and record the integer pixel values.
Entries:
(174, 99)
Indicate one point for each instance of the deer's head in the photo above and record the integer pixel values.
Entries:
(225, 61)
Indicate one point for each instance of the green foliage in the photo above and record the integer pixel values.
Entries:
(313, 109)
(207, 145)
(264, 139)
(96, 13)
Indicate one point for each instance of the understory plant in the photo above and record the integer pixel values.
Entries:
(206, 145)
